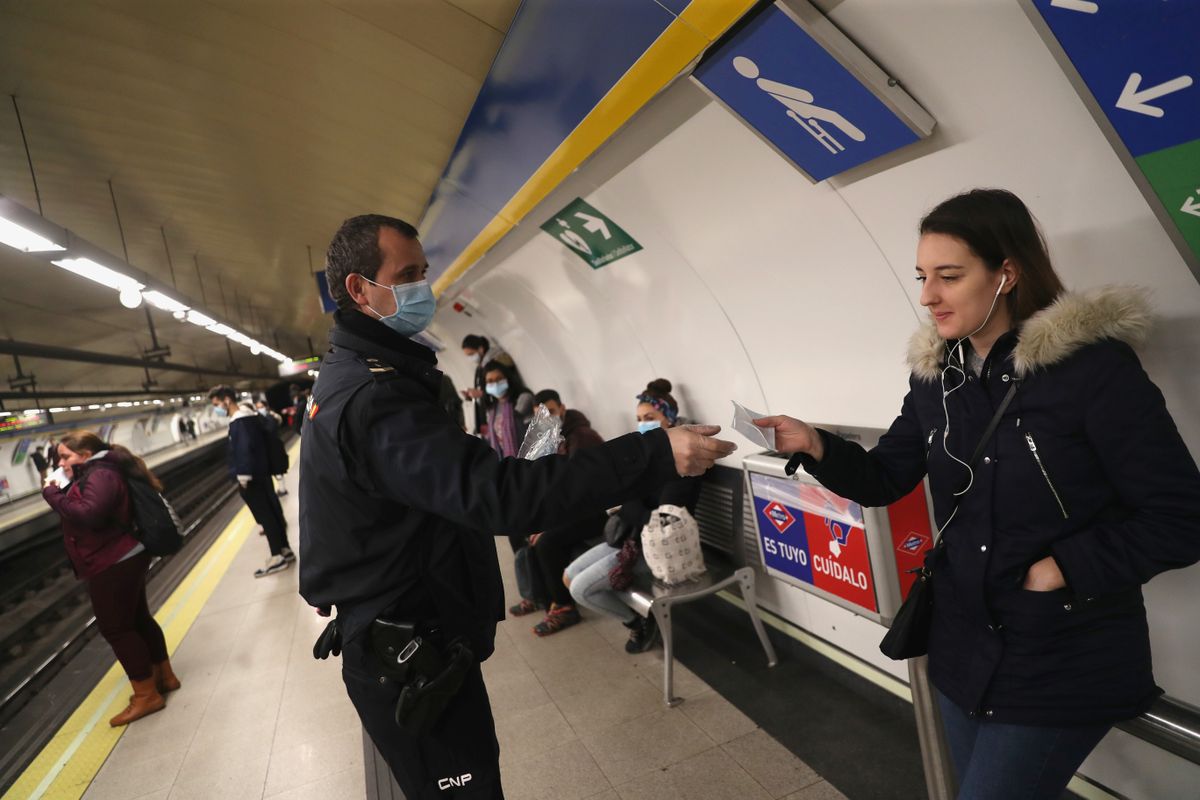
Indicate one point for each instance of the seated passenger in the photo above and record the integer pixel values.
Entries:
(90, 493)
(590, 575)
(551, 551)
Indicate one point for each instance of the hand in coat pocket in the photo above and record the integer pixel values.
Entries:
(1044, 576)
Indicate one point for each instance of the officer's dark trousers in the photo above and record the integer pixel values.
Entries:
(260, 496)
(458, 759)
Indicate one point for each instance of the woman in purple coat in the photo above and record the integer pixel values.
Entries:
(90, 494)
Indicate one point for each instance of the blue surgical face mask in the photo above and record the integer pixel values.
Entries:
(647, 425)
(498, 389)
(221, 411)
(415, 305)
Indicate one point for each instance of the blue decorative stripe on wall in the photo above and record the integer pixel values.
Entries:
(559, 59)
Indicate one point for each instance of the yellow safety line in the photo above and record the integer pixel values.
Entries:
(1079, 785)
(677, 46)
(67, 764)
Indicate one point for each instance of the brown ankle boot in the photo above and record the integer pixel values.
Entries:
(164, 677)
(145, 700)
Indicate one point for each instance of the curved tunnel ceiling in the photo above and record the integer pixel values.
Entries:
(239, 133)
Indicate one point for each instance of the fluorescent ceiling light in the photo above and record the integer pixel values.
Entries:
(99, 273)
(160, 300)
(196, 318)
(130, 298)
(24, 239)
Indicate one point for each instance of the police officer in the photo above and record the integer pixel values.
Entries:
(397, 509)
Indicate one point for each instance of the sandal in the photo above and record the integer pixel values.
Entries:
(522, 608)
(559, 617)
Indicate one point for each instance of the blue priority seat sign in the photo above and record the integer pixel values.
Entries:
(804, 88)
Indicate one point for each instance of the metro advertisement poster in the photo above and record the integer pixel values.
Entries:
(814, 536)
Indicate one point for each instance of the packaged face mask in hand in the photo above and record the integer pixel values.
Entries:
(542, 437)
(58, 478)
(743, 423)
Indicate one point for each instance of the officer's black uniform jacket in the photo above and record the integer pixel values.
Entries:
(1087, 466)
(398, 506)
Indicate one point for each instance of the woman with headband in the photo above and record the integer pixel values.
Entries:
(590, 577)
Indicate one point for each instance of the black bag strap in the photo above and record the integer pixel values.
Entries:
(995, 423)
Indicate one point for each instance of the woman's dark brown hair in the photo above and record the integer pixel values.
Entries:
(82, 441)
(997, 226)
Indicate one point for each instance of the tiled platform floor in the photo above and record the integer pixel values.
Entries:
(577, 718)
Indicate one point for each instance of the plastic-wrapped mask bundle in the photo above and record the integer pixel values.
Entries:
(542, 437)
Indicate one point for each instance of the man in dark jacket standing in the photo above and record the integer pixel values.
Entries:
(397, 506)
(250, 466)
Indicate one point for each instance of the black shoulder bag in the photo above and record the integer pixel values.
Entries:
(909, 635)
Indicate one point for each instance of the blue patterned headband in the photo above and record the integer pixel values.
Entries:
(660, 404)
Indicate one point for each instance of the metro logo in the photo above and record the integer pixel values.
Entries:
(912, 543)
(779, 516)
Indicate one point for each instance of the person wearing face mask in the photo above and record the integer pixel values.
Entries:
(551, 551)
(481, 352)
(398, 506)
(1083, 492)
(591, 577)
(90, 492)
(249, 458)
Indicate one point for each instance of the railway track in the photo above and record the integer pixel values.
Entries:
(45, 615)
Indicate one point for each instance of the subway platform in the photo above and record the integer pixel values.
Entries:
(259, 717)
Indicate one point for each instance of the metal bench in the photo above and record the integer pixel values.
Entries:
(652, 597)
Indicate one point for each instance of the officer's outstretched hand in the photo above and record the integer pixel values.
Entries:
(695, 449)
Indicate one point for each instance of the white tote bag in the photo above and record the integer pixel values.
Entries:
(671, 545)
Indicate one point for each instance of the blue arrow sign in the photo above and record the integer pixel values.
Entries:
(1141, 62)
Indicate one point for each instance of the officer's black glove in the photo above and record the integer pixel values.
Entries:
(330, 641)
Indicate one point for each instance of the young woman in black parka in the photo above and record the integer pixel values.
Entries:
(1085, 492)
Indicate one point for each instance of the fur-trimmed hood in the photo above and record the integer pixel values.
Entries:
(1049, 336)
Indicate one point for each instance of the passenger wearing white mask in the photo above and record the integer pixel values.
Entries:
(482, 352)
(597, 578)
(1060, 485)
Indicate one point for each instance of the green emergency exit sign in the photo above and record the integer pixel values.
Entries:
(592, 236)
(1175, 175)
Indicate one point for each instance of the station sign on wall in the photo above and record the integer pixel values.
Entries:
(590, 235)
(912, 535)
(809, 536)
(1140, 64)
(810, 93)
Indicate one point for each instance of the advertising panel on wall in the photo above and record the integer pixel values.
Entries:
(810, 536)
(794, 79)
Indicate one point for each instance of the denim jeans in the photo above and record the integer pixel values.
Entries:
(996, 761)
(589, 582)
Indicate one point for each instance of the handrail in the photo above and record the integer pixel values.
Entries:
(1170, 724)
